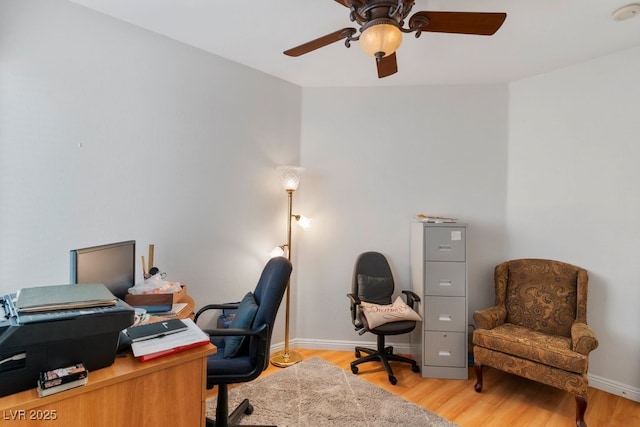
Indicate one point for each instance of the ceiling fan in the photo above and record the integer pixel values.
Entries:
(382, 23)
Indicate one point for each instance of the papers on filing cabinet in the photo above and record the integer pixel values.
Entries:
(193, 336)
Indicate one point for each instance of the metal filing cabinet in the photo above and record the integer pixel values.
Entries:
(439, 277)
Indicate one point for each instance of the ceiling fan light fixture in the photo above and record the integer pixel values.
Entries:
(626, 12)
(380, 40)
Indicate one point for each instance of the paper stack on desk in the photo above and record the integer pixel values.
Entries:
(153, 348)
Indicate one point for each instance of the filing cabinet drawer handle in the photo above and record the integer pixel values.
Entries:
(444, 247)
(445, 318)
(444, 353)
(445, 283)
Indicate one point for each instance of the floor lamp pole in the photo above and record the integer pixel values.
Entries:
(285, 358)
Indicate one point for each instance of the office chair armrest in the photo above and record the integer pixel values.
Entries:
(412, 298)
(228, 306)
(261, 332)
(354, 299)
(357, 317)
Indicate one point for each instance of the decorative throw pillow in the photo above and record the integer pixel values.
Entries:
(242, 320)
(377, 315)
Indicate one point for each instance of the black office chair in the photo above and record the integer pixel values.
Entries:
(373, 282)
(243, 349)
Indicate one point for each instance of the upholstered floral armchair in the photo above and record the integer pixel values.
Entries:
(538, 327)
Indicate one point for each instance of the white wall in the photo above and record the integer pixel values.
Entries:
(573, 195)
(376, 157)
(179, 149)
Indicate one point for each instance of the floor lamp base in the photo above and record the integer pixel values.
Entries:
(282, 360)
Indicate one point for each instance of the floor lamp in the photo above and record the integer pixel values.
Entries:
(290, 179)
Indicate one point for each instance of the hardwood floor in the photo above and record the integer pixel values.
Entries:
(506, 400)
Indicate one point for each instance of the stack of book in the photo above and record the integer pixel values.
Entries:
(164, 338)
(57, 380)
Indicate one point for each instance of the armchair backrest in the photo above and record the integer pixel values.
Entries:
(543, 295)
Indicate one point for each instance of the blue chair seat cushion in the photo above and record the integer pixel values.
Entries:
(243, 319)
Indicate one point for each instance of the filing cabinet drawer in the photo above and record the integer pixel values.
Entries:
(446, 278)
(445, 349)
(445, 243)
(444, 314)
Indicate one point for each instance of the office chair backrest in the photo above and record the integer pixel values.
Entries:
(268, 294)
(376, 283)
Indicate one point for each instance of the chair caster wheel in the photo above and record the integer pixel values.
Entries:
(249, 410)
(354, 369)
(415, 368)
(393, 380)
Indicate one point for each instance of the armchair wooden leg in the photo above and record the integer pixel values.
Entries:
(477, 367)
(581, 407)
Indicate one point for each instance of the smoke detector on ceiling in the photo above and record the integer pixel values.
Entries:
(626, 12)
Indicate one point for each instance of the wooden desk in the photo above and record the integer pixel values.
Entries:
(169, 391)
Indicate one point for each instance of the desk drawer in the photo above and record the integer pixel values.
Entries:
(445, 278)
(445, 349)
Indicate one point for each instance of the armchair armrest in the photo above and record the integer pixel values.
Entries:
(583, 338)
(412, 298)
(491, 317)
(228, 306)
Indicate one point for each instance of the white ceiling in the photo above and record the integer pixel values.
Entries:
(537, 36)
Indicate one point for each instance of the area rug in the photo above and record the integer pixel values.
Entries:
(315, 393)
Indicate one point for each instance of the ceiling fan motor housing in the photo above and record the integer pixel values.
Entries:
(373, 12)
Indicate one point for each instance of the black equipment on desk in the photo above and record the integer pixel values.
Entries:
(36, 342)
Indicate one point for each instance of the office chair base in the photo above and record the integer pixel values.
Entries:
(382, 354)
(223, 419)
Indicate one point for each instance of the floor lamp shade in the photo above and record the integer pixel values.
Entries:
(290, 176)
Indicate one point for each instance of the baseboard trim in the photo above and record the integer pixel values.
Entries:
(595, 381)
(615, 387)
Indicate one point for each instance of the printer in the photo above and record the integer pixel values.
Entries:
(35, 342)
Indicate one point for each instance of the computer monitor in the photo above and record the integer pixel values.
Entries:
(112, 265)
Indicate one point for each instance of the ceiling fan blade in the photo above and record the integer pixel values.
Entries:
(343, 2)
(320, 42)
(387, 66)
(479, 23)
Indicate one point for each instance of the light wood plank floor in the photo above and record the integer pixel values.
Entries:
(506, 400)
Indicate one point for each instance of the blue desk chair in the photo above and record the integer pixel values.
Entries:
(243, 348)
